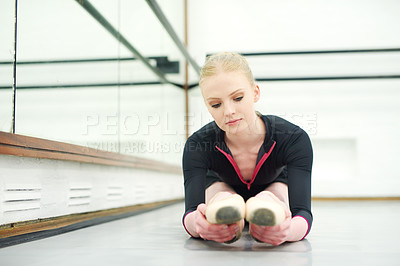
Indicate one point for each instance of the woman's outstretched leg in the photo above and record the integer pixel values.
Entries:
(219, 190)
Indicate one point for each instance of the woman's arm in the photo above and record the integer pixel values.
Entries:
(194, 171)
(297, 194)
(299, 166)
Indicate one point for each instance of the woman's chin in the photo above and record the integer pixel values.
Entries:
(235, 130)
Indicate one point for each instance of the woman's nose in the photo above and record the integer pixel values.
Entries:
(229, 109)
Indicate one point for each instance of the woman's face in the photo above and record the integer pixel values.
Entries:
(230, 98)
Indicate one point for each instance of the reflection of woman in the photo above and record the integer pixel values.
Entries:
(245, 156)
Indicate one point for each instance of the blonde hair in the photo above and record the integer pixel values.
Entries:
(228, 62)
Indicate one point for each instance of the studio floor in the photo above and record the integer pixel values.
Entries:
(343, 233)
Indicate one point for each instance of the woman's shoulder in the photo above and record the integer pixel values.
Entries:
(281, 129)
(291, 137)
(278, 125)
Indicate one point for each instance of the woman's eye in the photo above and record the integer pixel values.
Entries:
(238, 98)
(216, 105)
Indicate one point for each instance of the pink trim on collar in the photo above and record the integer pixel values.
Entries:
(236, 167)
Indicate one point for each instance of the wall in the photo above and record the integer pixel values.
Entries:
(40, 188)
(353, 124)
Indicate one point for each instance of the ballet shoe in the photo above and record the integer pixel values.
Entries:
(265, 211)
(227, 211)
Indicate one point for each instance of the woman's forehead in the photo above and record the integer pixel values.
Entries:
(224, 84)
(225, 78)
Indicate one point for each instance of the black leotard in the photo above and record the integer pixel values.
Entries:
(285, 156)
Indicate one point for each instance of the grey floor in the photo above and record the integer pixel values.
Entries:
(343, 233)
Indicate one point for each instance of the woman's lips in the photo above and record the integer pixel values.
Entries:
(233, 122)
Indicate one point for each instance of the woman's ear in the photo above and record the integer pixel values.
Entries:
(257, 93)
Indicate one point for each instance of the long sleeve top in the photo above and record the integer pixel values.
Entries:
(285, 152)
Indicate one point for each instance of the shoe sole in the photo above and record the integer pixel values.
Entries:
(228, 215)
(264, 213)
(263, 217)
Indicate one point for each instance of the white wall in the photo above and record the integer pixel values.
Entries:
(266, 25)
(40, 188)
(353, 124)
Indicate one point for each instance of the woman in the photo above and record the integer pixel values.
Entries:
(244, 156)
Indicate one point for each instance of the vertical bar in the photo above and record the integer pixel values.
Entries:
(119, 81)
(14, 89)
(186, 84)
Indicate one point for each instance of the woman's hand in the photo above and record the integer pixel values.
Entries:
(274, 235)
(216, 232)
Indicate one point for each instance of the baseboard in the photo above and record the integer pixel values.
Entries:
(17, 233)
(352, 198)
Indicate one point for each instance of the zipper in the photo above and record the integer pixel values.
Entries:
(260, 163)
(258, 166)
